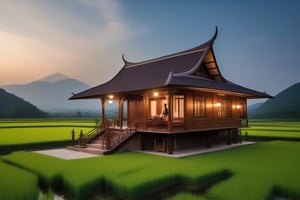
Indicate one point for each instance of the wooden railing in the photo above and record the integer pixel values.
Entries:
(111, 142)
(85, 138)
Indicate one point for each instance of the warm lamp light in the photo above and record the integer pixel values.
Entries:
(218, 104)
(238, 106)
(111, 96)
(110, 101)
(155, 94)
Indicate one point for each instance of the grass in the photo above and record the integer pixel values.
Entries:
(185, 196)
(13, 136)
(36, 123)
(259, 171)
(30, 134)
(16, 183)
(280, 130)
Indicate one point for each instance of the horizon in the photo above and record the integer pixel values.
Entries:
(85, 39)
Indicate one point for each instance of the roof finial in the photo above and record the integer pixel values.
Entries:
(123, 58)
(215, 35)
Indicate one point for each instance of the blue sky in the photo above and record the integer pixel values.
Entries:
(257, 45)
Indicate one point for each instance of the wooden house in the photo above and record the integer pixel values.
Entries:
(171, 102)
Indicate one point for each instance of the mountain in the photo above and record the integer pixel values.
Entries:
(13, 106)
(51, 94)
(254, 106)
(283, 105)
(53, 78)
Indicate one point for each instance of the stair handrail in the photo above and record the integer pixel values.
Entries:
(114, 142)
(85, 138)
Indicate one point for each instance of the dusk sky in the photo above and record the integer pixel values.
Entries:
(257, 45)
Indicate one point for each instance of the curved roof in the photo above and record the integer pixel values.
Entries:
(195, 67)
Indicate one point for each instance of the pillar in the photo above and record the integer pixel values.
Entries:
(120, 112)
(146, 109)
(103, 111)
(170, 117)
(170, 142)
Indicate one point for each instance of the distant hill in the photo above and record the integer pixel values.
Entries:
(51, 94)
(254, 106)
(53, 78)
(283, 105)
(13, 106)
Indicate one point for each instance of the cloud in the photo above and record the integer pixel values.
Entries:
(82, 38)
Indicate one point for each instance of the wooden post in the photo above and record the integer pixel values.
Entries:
(170, 117)
(120, 112)
(170, 141)
(103, 111)
(146, 109)
(73, 136)
(81, 138)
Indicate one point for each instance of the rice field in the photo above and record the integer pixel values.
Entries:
(264, 170)
(257, 171)
(16, 183)
(270, 130)
(39, 133)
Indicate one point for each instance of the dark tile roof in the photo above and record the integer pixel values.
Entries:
(171, 70)
(145, 75)
(198, 82)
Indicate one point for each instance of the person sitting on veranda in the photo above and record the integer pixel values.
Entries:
(165, 112)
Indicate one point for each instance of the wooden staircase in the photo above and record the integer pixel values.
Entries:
(106, 142)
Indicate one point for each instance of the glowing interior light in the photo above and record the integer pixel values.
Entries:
(156, 94)
(111, 96)
(238, 106)
(110, 101)
(218, 104)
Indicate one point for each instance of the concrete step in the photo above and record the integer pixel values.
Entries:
(94, 151)
(87, 150)
(97, 141)
(96, 146)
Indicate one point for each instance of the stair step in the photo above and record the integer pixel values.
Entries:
(96, 146)
(94, 151)
(87, 150)
(96, 141)
(112, 138)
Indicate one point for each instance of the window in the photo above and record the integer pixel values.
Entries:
(243, 109)
(221, 108)
(224, 108)
(153, 104)
(199, 107)
(157, 107)
(178, 107)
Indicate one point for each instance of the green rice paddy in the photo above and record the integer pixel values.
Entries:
(16, 183)
(259, 130)
(44, 133)
(264, 170)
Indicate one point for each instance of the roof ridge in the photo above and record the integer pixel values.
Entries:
(196, 65)
(131, 64)
(201, 47)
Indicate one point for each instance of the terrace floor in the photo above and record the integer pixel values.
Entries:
(200, 150)
(67, 154)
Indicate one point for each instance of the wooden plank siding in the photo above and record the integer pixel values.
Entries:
(217, 114)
